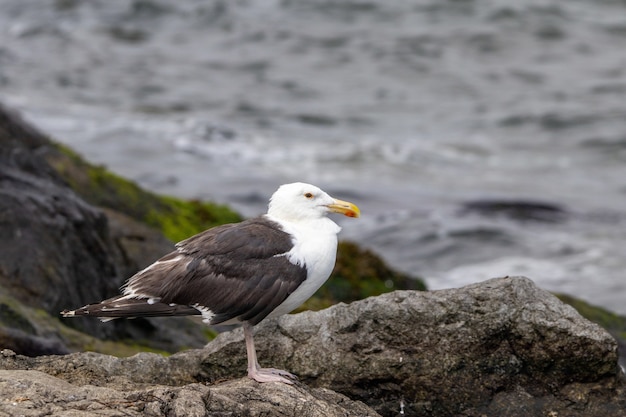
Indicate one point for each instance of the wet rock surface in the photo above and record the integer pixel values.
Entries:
(57, 251)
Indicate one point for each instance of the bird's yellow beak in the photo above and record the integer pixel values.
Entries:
(345, 207)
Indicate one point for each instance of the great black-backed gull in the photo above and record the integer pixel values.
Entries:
(240, 273)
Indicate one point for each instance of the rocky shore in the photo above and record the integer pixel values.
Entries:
(503, 347)
(72, 233)
(499, 348)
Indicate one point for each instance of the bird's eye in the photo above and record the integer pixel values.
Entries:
(308, 195)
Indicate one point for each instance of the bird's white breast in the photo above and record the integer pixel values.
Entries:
(315, 247)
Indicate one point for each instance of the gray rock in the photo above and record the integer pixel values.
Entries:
(18, 340)
(503, 347)
(34, 393)
(445, 352)
(56, 250)
(44, 224)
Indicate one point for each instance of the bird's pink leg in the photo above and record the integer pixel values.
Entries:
(263, 374)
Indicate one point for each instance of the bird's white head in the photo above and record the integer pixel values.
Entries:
(301, 202)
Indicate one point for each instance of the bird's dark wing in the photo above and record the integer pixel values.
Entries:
(235, 271)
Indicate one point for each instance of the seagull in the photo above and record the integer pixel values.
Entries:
(240, 273)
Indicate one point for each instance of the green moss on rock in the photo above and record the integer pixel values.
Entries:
(177, 219)
(10, 316)
(180, 219)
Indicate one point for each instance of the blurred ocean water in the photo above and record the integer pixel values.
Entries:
(481, 138)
